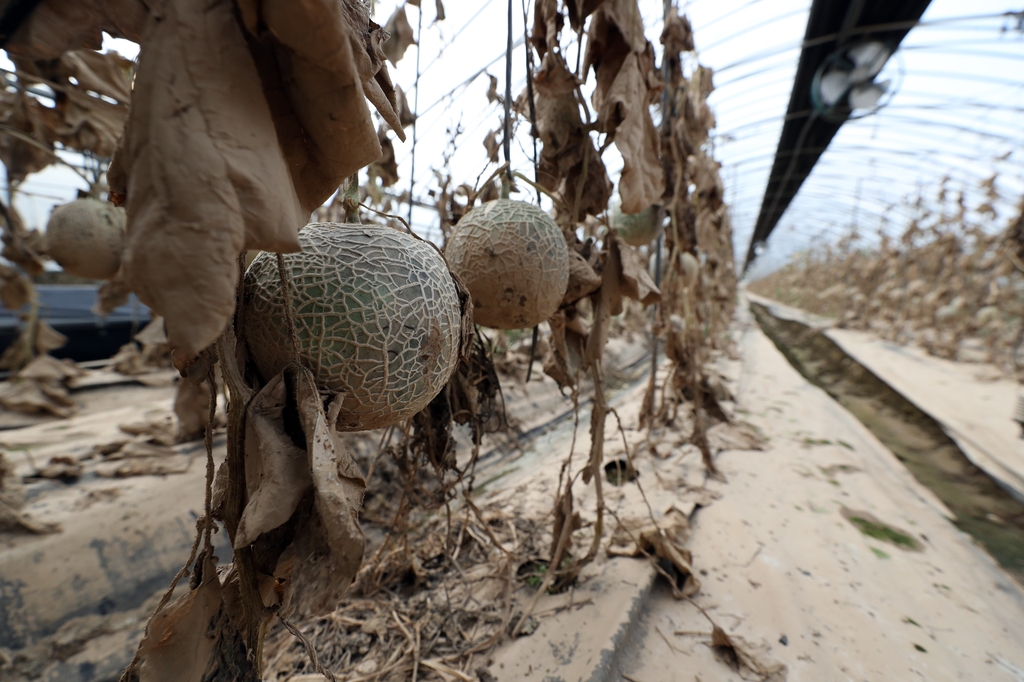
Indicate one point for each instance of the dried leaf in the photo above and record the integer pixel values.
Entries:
(406, 116)
(492, 146)
(113, 294)
(665, 540)
(56, 26)
(492, 90)
(49, 368)
(180, 640)
(402, 36)
(61, 468)
(36, 397)
(579, 10)
(28, 117)
(624, 114)
(105, 73)
(385, 168)
(192, 408)
(439, 7)
(146, 466)
(677, 36)
(582, 278)
(227, 184)
(325, 557)
(48, 338)
(567, 349)
(746, 656)
(635, 281)
(15, 288)
(12, 498)
(153, 334)
(276, 470)
(547, 25)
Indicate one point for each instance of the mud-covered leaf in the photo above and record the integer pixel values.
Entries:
(276, 469)
(201, 141)
(180, 642)
(12, 498)
(327, 553)
(748, 658)
(49, 368)
(192, 408)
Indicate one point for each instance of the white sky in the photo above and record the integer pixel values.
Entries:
(958, 107)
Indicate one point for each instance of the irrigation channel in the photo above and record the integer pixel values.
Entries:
(983, 509)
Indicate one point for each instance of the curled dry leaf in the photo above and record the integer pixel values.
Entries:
(492, 90)
(276, 470)
(635, 281)
(492, 146)
(330, 550)
(583, 281)
(664, 540)
(567, 349)
(624, 114)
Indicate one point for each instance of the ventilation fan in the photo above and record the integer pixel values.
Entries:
(844, 86)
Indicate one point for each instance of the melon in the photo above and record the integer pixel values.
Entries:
(638, 229)
(377, 317)
(514, 261)
(86, 238)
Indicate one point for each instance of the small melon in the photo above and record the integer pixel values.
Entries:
(638, 229)
(376, 314)
(86, 238)
(514, 261)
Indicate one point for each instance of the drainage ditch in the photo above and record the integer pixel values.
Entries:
(983, 509)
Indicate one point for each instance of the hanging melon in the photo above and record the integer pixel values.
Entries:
(514, 261)
(638, 229)
(86, 238)
(376, 314)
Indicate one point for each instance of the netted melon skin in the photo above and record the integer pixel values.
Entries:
(637, 229)
(514, 261)
(376, 314)
(86, 238)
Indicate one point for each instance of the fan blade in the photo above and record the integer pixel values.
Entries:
(833, 86)
(868, 59)
(866, 95)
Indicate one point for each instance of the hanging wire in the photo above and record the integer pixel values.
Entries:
(415, 108)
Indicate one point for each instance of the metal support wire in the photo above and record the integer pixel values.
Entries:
(415, 109)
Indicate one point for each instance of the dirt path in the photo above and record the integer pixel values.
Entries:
(788, 571)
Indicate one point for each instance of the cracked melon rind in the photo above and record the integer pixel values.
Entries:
(514, 261)
(377, 318)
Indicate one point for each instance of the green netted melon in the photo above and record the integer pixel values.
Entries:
(514, 261)
(86, 238)
(377, 317)
(637, 229)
